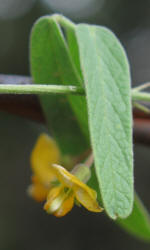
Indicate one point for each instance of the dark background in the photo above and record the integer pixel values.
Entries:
(23, 223)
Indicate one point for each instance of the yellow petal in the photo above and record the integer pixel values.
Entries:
(66, 206)
(43, 155)
(50, 206)
(37, 191)
(58, 202)
(84, 194)
(87, 197)
(66, 178)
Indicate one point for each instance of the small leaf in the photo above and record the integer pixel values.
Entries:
(52, 64)
(107, 83)
(138, 223)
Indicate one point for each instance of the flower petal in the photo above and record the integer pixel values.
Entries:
(84, 194)
(50, 206)
(65, 177)
(59, 203)
(43, 155)
(66, 206)
(87, 197)
(37, 191)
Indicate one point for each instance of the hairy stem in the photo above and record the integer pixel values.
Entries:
(39, 89)
(140, 96)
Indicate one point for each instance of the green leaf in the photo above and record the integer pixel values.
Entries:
(138, 223)
(51, 63)
(107, 83)
(55, 58)
(73, 48)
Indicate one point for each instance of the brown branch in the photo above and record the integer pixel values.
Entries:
(28, 106)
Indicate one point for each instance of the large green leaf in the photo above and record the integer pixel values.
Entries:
(138, 223)
(52, 63)
(107, 83)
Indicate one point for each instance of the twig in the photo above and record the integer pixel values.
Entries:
(141, 107)
(142, 86)
(28, 106)
(89, 161)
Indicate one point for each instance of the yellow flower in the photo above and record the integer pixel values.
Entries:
(53, 183)
(44, 154)
(60, 199)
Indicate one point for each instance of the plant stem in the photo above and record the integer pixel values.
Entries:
(142, 86)
(18, 86)
(140, 96)
(89, 161)
(39, 89)
(63, 21)
(141, 107)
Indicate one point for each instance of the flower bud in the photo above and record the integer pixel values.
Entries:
(82, 172)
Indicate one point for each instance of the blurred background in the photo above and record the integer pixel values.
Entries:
(23, 223)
